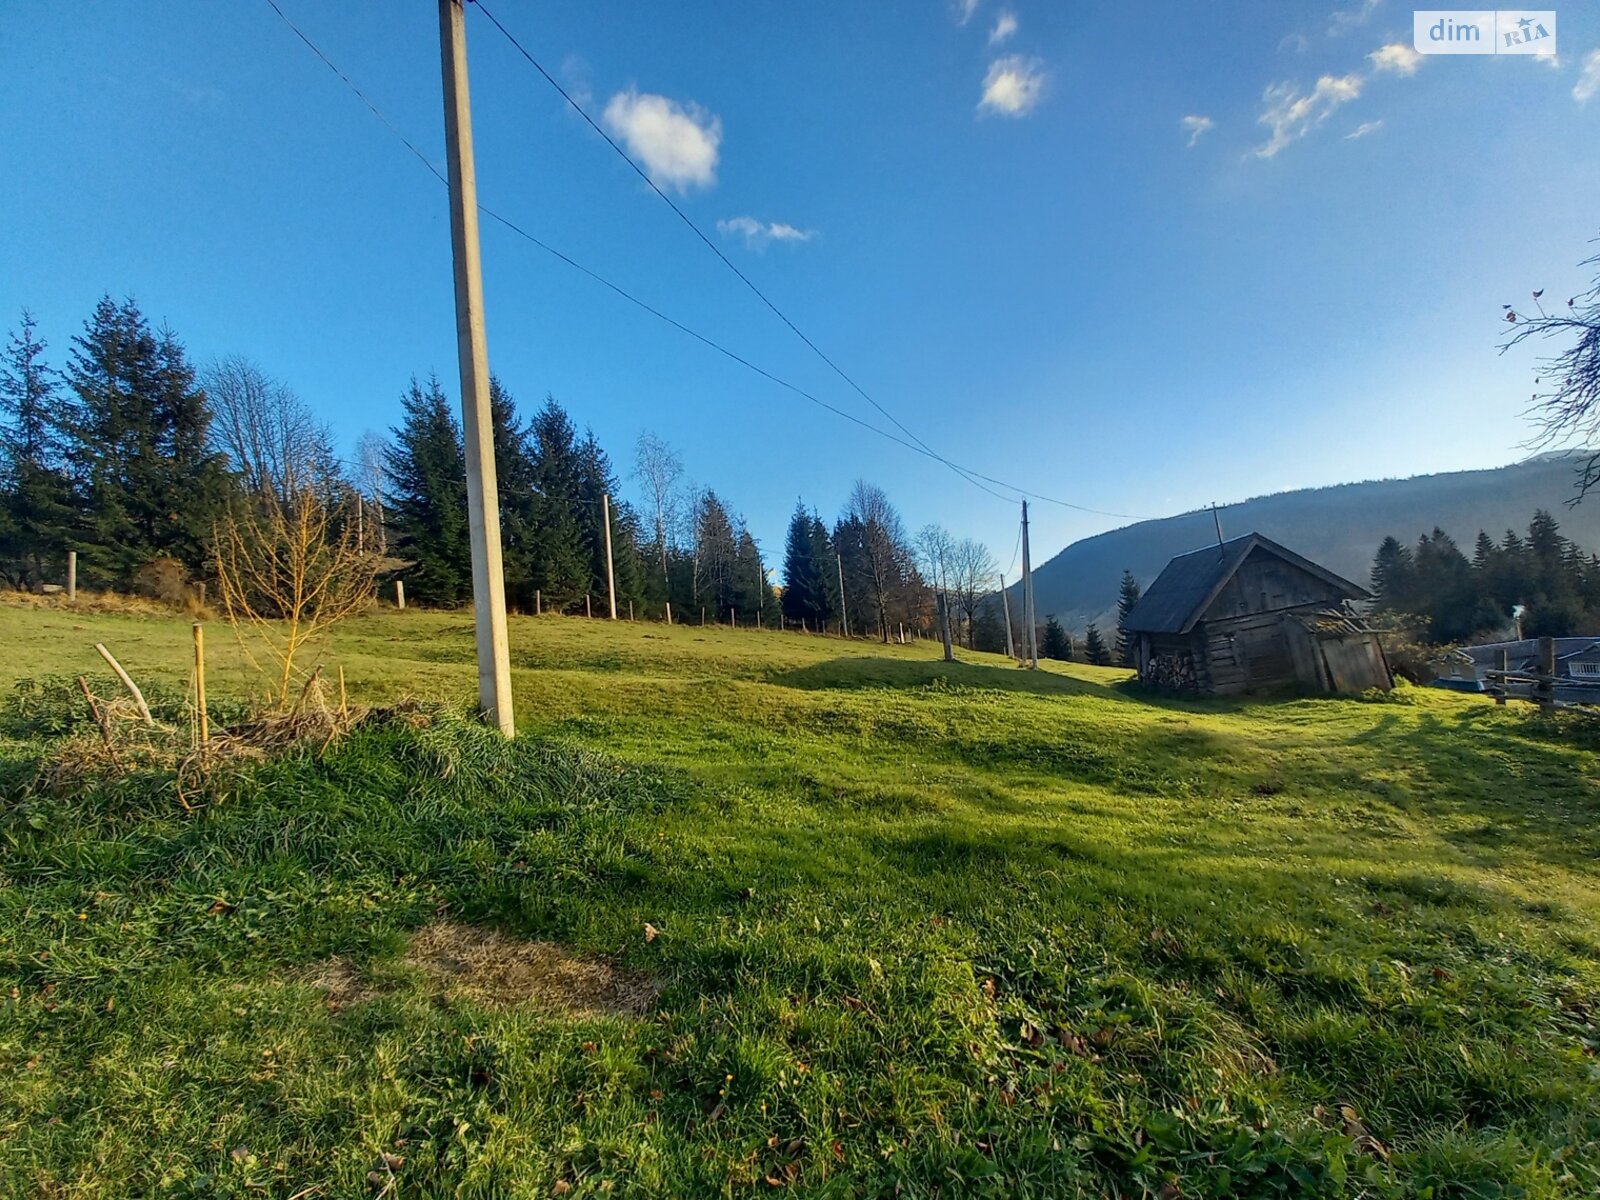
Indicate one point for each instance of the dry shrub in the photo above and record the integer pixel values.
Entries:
(290, 567)
(163, 579)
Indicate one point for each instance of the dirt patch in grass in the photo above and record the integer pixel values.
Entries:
(497, 970)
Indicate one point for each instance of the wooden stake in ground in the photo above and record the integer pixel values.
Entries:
(400, 594)
(127, 682)
(611, 575)
(538, 602)
(72, 576)
(472, 348)
(200, 683)
(344, 708)
(630, 610)
(587, 611)
(669, 612)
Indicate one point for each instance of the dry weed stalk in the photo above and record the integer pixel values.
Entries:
(290, 567)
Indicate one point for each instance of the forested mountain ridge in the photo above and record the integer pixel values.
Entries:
(1339, 526)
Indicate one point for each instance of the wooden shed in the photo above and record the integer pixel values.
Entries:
(1248, 615)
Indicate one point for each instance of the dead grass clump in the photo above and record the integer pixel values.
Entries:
(107, 602)
(499, 971)
(121, 742)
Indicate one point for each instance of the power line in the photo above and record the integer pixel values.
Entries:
(723, 258)
(916, 445)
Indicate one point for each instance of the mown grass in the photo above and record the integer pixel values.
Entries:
(923, 930)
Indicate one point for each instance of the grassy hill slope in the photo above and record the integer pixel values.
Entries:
(917, 929)
(1339, 527)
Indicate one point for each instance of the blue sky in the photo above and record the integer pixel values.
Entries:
(1136, 256)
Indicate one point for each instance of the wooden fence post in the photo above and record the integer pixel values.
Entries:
(72, 576)
(400, 594)
(669, 612)
(200, 683)
(538, 602)
(1502, 663)
(587, 610)
(630, 611)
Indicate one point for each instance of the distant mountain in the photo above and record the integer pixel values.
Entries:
(1339, 527)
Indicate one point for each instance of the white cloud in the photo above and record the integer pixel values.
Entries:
(1005, 25)
(965, 10)
(1014, 86)
(1298, 42)
(1588, 84)
(1353, 15)
(757, 234)
(1396, 57)
(1291, 115)
(1363, 129)
(1197, 126)
(676, 143)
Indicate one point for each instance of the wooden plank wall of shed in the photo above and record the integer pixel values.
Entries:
(1265, 583)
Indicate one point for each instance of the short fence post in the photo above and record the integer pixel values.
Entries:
(630, 610)
(1502, 663)
(400, 594)
(200, 683)
(538, 602)
(72, 576)
(587, 611)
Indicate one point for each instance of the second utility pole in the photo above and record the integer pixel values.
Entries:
(1030, 625)
(472, 347)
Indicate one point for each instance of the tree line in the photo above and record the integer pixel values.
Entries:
(131, 455)
(1544, 581)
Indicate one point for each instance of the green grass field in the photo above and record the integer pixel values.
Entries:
(919, 930)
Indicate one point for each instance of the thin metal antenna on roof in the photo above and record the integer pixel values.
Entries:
(1216, 517)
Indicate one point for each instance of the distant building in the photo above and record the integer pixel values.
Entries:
(1249, 615)
(1577, 660)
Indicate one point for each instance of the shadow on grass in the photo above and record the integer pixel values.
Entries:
(849, 674)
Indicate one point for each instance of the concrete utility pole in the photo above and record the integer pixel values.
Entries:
(1005, 603)
(472, 347)
(1030, 631)
(844, 609)
(611, 576)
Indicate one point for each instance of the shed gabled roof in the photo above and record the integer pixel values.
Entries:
(1190, 582)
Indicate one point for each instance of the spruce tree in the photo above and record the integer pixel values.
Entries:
(1094, 647)
(1127, 597)
(428, 505)
(1394, 576)
(830, 603)
(563, 564)
(1055, 643)
(36, 512)
(140, 446)
(804, 596)
(513, 468)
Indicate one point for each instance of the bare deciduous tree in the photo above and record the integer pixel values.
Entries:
(372, 465)
(1567, 410)
(658, 468)
(883, 550)
(972, 576)
(268, 433)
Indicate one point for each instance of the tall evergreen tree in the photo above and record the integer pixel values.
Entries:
(563, 564)
(1127, 597)
(826, 556)
(1094, 647)
(1394, 576)
(36, 511)
(1055, 643)
(428, 505)
(805, 597)
(514, 480)
(140, 447)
